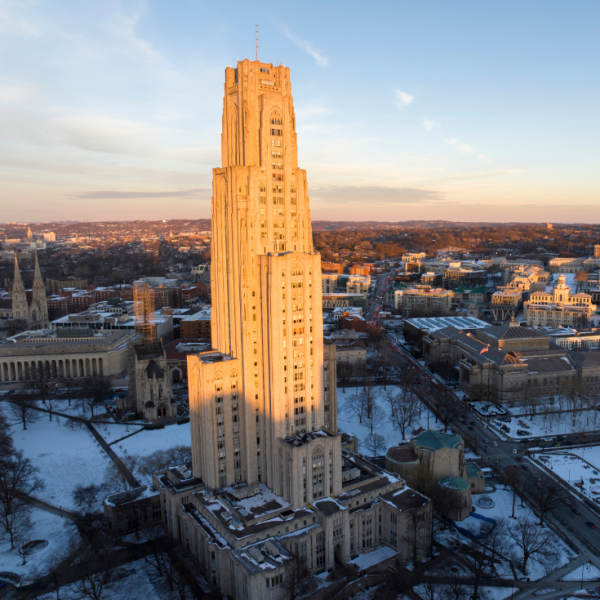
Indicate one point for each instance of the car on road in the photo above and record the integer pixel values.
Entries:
(566, 501)
(590, 524)
(471, 428)
(495, 443)
(575, 511)
(514, 450)
(525, 467)
(519, 459)
(486, 441)
(472, 423)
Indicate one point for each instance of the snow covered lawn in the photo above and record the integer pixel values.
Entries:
(65, 457)
(150, 440)
(45, 526)
(550, 424)
(503, 508)
(349, 422)
(115, 431)
(572, 468)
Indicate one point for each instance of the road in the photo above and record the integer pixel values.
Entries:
(374, 307)
(499, 453)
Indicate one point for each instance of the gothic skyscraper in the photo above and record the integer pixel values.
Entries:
(270, 495)
(270, 380)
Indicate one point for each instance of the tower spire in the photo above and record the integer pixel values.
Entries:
(38, 311)
(256, 31)
(20, 306)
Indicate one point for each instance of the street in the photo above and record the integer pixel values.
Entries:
(497, 452)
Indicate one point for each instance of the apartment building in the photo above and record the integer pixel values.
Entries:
(426, 300)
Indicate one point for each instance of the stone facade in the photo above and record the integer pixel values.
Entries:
(33, 312)
(149, 393)
(559, 308)
(441, 458)
(61, 357)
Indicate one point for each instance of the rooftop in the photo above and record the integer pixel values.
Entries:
(436, 440)
(435, 323)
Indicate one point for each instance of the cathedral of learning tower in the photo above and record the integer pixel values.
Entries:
(274, 492)
(269, 380)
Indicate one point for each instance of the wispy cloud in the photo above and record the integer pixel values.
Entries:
(402, 99)
(459, 146)
(321, 60)
(14, 24)
(466, 176)
(122, 195)
(429, 124)
(371, 195)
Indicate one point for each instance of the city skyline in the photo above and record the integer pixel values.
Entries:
(462, 113)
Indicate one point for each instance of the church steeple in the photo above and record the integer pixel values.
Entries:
(20, 306)
(39, 304)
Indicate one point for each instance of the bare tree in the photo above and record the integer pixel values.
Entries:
(457, 582)
(375, 442)
(447, 407)
(534, 542)
(94, 390)
(512, 476)
(86, 494)
(369, 396)
(545, 497)
(71, 388)
(485, 547)
(375, 418)
(41, 382)
(6, 442)
(96, 586)
(406, 412)
(25, 410)
(344, 372)
(354, 404)
(389, 397)
(18, 478)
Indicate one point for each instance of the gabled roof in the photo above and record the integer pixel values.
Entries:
(507, 332)
(154, 370)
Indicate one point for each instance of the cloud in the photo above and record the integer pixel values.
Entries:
(372, 196)
(321, 60)
(13, 24)
(479, 175)
(430, 124)
(122, 195)
(402, 99)
(459, 146)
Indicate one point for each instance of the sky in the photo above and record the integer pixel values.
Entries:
(461, 110)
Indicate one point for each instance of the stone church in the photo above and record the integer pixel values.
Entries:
(33, 311)
(150, 393)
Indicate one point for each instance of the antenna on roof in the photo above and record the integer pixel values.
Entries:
(256, 31)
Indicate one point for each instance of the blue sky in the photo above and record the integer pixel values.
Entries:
(460, 110)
